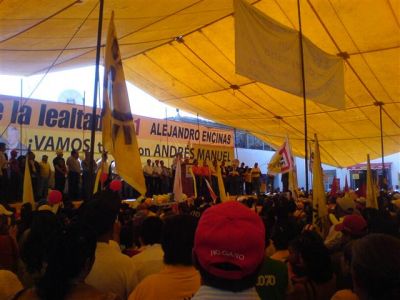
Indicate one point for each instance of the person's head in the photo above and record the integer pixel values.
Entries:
(69, 259)
(100, 213)
(229, 246)
(161, 163)
(14, 153)
(150, 230)
(157, 162)
(74, 153)
(242, 165)
(31, 155)
(195, 162)
(376, 267)
(59, 153)
(215, 163)
(148, 162)
(353, 226)
(87, 154)
(44, 158)
(309, 257)
(44, 224)
(177, 239)
(282, 234)
(222, 163)
(2, 147)
(256, 165)
(205, 163)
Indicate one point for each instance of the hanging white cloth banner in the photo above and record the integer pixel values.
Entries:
(269, 52)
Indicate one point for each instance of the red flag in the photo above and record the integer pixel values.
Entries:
(212, 194)
(346, 186)
(334, 187)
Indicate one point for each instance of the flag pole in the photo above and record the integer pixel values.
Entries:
(380, 104)
(20, 124)
(304, 95)
(94, 111)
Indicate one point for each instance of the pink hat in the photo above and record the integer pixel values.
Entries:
(230, 233)
(54, 197)
(116, 185)
(353, 224)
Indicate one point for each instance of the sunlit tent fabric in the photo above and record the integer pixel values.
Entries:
(182, 52)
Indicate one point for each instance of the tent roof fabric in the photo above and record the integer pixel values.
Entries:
(182, 52)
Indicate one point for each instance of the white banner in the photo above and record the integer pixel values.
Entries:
(269, 52)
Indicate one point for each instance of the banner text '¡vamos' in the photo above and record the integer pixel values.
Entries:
(73, 119)
(190, 134)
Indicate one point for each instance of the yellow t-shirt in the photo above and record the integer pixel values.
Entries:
(172, 283)
(44, 169)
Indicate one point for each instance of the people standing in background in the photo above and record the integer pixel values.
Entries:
(74, 173)
(3, 173)
(148, 173)
(86, 175)
(34, 169)
(241, 178)
(165, 178)
(255, 178)
(44, 177)
(224, 174)
(247, 180)
(157, 170)
(198, 177)
(60, 171)
(214, 177)
(15, 177)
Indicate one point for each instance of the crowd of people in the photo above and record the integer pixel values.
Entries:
(72, 176)
(251, 247)
(237, 179)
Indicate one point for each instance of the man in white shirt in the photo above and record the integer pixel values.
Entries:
(112, 271)
(150, 259)
(148, 177)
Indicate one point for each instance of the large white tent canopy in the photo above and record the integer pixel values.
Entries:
(182, 52)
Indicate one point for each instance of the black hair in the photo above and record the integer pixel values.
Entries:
(69, 253)
(376, 266)
(178, 239)
(101, 212)
(44, 224)
(315, 255)
(233, 285)
(150, 230)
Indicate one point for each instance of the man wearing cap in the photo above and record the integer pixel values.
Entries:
(228, 252)
(60, 171)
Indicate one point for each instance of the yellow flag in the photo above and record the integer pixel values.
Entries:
(320, 210)
(194, 182)
(119, 135)
(221, 186)
(371, 189)
(27, 196)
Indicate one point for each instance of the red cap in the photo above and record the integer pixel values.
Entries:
(54, 197)
(230, 233)
(116, 185)
(353, 224)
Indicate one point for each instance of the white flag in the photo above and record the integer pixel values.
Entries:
(282, 161)
(269, 52)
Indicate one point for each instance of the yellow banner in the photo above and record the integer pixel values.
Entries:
(44, 126)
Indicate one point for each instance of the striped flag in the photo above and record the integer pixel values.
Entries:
(212, 194)
(178, 194)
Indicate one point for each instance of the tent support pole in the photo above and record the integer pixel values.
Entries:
(383, 185)
(304, 97)
(94, 111)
